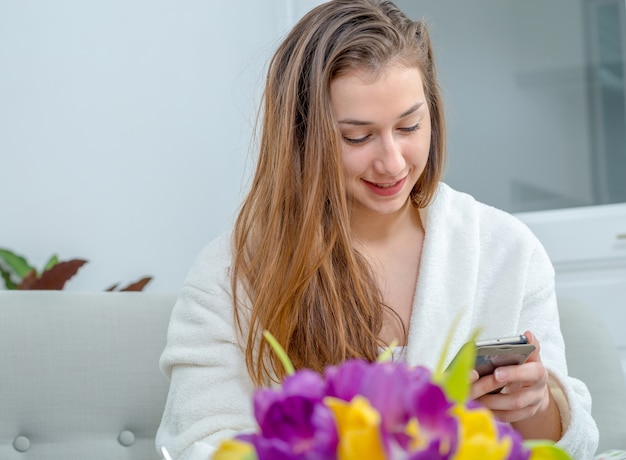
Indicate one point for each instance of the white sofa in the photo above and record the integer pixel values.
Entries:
(592, 356)
(79, 376)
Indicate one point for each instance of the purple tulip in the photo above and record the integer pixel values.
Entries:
(429, 453)
(305, 383)
(344, 382)
(294, 422)
(518, 452)
(399, 393)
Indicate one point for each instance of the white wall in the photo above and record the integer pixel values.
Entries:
(125, 126)
(124, 129)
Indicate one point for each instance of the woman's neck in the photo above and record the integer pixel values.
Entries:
(374, 228)
(392, 245)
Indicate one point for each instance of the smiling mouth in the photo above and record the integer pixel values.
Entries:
(386, 185)
(386, 189)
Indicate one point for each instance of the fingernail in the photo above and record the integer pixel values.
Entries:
(500, 375)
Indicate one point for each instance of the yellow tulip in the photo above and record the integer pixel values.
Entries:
(413, 431)
(358, 424)
(233, 449)
(478, 436)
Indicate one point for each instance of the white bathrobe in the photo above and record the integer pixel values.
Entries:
(475, 259)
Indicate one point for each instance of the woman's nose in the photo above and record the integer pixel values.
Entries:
(390, 160)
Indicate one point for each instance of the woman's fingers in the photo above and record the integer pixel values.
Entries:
(518, 404)
(524, 391)
(535, 356)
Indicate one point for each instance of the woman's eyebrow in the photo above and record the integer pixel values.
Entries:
(355, 122)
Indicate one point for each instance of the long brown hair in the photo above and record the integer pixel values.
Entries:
(295, 271)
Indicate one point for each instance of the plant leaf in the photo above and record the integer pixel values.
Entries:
(16, 263)
(545, 450)
(455, 382)
(54, 259)
(137, 285)
(28, 280)
(56, 277)
(387, 353)
(439, 370)
(112, 288)
(455, 379)
(280, 351)
(6, 276)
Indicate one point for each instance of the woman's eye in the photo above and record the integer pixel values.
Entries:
(410, 129)
(360, 140)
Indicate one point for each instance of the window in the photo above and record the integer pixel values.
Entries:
(535, 100)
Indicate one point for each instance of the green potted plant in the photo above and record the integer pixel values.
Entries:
(19, 274)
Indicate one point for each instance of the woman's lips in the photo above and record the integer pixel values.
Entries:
(385, 189)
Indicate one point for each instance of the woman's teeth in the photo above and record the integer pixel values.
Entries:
(386, 185)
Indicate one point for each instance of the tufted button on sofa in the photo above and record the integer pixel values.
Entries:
(79, 375)
(21, 443)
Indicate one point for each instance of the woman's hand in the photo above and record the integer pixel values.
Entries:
(525, 400)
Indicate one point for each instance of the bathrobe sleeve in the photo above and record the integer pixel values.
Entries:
(540, 315)
(210, 394)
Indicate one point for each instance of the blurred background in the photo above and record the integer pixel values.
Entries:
(535, 99)
(126, 127)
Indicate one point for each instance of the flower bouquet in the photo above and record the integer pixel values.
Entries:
(379, 411)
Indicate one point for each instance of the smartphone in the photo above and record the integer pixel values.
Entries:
(505, 351)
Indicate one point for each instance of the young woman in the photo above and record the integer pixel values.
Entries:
(348, 240)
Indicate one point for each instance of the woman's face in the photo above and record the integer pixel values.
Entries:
(385, 125)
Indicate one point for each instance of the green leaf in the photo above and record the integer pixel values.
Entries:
(387, 353)
(455, 381)
(545, 450)
(15, 263)
(439, 370)
(6, 276)
(280, 351)
(51, 262)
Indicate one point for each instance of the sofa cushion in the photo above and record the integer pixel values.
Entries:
(80, 375)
